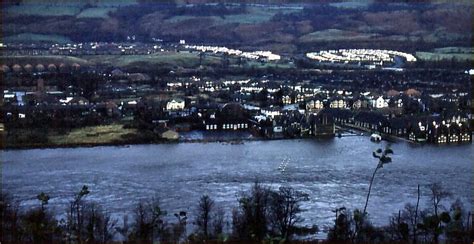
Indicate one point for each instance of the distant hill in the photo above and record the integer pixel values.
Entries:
(279, 25)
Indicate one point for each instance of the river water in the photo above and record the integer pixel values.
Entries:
(334, 172)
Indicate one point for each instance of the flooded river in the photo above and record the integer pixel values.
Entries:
(334, 173)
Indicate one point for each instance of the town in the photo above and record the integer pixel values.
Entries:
(431, 106)
(257, 121)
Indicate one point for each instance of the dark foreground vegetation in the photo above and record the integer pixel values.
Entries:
(263, 215)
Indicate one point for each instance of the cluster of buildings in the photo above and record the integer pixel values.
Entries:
(89, 48)
(260, 55)
(417, 106)
(372, 56)
(39, 68)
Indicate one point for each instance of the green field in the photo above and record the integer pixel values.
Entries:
(40, 9)
(30, 37)
(255, 15)
(181, 59)
(99, 12)
(335, 35)
(171, 59)
(113, 134)
(448, 53)
(81, 9)
(458, 50)
(22, 60)
(103, 134)
(351, 4)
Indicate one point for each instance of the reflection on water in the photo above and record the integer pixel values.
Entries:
(333, 172)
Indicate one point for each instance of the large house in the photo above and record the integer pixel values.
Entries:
(338, 102)
(231, 117)
(175, 104)
(323, 124)
(380, 102)
(314, 104)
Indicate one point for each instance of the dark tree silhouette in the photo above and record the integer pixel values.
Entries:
(384, 158)
(204, 216)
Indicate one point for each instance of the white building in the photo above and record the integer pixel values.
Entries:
(380, 102)
(175, 104)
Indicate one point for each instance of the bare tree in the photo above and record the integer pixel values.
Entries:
(148, 223)
(204, 219)
(218, 223)
(250, 220)
(384, 158)
(39, 225)
(284, 211)
(75, 231)
(9, 220)
(415, 221)
(100, 227)
(437, 195)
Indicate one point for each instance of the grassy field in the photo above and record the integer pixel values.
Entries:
(335, 35)
(99, 12)
(22, 60)
(30, 37)
(41, 9)
(255, 15)
(458, 50)
(168, 59)
(183, 59)
(257, 64)
(81, 9)
(113, 134)
(448, 53)
(104, 134)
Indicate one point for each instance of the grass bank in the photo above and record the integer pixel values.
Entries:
(114, 134)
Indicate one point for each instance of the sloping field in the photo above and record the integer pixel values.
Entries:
(33, 60)
(99, 12)
(255, 15)
(335, 35)
(98, 9)
(432, 56)
(183, 59)
(30, 37)
(92, 135)
(43, 9)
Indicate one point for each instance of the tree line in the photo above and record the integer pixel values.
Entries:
(263, 215)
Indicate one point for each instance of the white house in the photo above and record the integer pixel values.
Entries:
(338, 103)
(314, 104)
(380, 102)
(271, 112)
(175, 104)
(286, 99)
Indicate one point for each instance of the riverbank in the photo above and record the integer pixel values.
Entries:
(116, 135)
(90, 136)
(157, 141)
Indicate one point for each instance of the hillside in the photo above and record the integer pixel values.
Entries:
(275, 26)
